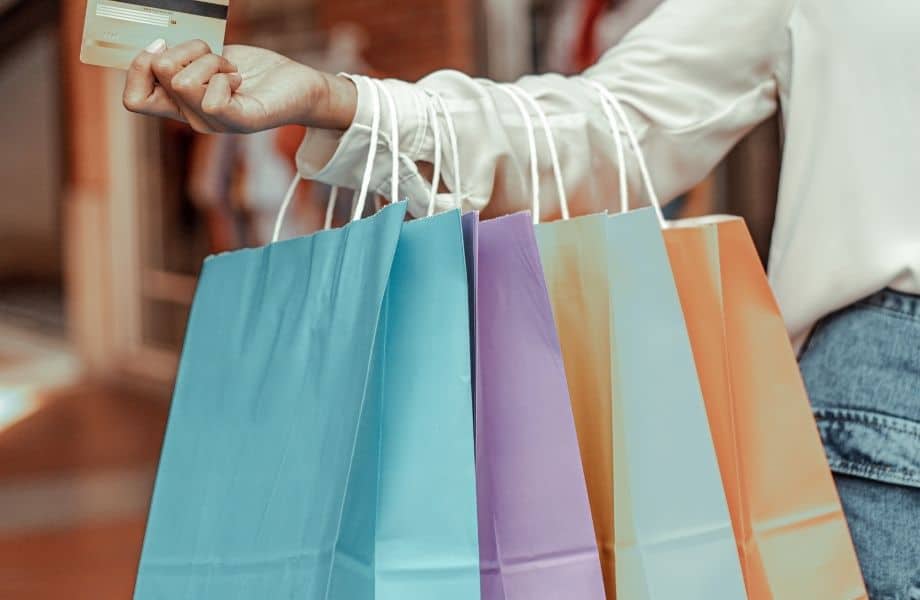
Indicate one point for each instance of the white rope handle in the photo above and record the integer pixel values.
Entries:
(365, 182)
(288, 198)
(394, 139)
(551, 142)
(330, 207)
(454, 145)
(614, 103)
(436, 175)
(532, 143)
(371, 151)
(618, 142)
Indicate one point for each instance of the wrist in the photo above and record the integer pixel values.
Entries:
(332, 104)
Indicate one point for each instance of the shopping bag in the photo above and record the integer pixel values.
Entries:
(574, 253)
(536, 535)
(674, 535)
(410, 530)
(792, 536)
(272, 386)
(320, 442)
(422, 541)
(673, 532)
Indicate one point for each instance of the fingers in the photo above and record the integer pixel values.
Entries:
(169, 63)
(190, 83)
(217, 102)
(142, 94)
(185, 73)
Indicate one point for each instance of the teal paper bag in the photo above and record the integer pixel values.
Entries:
(412, 534)
(308, 453)
(272, 385)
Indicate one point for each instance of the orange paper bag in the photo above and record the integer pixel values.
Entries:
(576, 274)
(792, 536)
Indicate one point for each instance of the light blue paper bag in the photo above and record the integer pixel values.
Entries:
(673, 532)
(308, 456)
(262, 433)
(423, 509)
(417, 528)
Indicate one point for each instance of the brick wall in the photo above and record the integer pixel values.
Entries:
(410, 38)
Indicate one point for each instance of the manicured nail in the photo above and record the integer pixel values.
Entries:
(157, 46)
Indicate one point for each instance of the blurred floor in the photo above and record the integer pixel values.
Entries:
(33, 305)
(77, 462)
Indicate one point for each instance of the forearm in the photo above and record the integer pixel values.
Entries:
(495, 155)
(693, 79)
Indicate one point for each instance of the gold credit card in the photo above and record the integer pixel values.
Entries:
(116, 31)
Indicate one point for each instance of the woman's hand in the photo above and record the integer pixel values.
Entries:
(247, 89)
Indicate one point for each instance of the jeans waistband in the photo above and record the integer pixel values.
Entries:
(898, 302)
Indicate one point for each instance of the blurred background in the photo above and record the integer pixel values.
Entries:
(105, 218)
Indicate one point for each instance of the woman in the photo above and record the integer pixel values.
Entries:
(695, 77)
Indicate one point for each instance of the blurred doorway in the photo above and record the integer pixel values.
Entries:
(32, 169)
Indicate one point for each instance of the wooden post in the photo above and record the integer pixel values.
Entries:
(86, 231)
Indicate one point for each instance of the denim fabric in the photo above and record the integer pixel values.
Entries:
(862, 369)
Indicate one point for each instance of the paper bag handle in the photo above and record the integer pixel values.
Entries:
(436, 175)
(365, 182)
(394, 138)
(551, 142)
(532, 144)
(610, 101)
(618, 142)
(454, 150)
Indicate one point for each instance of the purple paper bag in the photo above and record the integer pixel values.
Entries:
(536, 535)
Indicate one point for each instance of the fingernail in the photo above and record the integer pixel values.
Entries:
(157, 46)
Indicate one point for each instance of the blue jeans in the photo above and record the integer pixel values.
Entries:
(862, 369)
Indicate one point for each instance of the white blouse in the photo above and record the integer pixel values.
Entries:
(694, 78)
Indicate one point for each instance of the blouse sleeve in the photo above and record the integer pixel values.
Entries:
(693, 78)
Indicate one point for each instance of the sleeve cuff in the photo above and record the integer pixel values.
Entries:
(338, 158)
